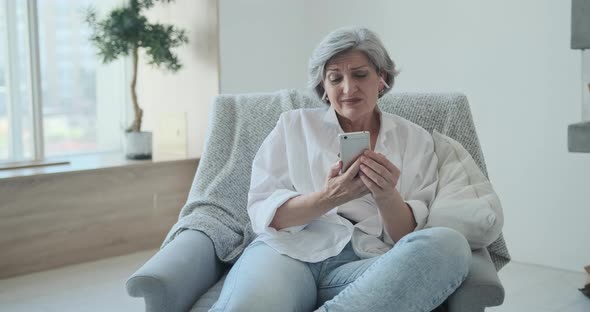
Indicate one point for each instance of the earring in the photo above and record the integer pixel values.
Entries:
(384, 83)
(325, 96)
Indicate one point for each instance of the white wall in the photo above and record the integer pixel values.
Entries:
(191, 89)
(511, 58)
(264, 45)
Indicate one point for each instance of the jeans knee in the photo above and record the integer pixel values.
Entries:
(444, 246)
(452, 245)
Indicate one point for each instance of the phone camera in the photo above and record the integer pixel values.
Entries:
(345, 137)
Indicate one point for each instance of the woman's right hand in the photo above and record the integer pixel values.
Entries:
(338, 189)
(342, 188)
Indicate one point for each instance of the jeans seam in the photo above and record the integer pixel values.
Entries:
(334, 286)
(322, 270)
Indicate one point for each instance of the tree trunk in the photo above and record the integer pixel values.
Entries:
(136, 125)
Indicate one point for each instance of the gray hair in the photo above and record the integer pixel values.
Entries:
(347, 39)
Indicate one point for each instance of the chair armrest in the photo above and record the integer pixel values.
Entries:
(175, 277)
(481, 288)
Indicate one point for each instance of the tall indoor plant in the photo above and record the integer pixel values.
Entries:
(123, 32)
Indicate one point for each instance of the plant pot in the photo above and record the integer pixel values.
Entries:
(138, 145)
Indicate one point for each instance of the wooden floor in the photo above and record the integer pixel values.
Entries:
(99, 286)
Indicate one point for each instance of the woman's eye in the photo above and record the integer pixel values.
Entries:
(335, 79)
(360, 75)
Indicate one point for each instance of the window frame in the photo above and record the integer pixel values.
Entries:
(15, 146)
(35, 76)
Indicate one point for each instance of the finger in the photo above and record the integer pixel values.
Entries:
(377, 168)
(361, 188)
(364, 187)
(380, 158)
(371, 186)
(375, 177)
(335, 169)
(353, 170)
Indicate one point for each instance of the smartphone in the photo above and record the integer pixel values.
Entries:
(352, 145)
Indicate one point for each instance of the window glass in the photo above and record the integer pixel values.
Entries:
(3, 108)
(3, 127)
(75, 118)
(82, 101)
(16, 123)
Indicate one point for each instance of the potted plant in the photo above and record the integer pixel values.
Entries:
(123, 32)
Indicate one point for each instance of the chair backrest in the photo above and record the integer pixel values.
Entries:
(239, 124)
(448, 113)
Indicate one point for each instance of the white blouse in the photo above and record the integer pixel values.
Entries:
(295, 159)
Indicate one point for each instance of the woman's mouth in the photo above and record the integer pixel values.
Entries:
(351, 100)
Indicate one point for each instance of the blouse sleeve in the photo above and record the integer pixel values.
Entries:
(270, 184)
(420, 174)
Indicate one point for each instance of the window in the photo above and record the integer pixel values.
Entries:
(53, 69)
(15, 112)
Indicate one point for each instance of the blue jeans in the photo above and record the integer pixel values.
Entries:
(417, 274)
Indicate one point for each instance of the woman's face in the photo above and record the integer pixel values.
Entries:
(352, 85)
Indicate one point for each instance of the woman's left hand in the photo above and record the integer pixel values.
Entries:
(379, 174)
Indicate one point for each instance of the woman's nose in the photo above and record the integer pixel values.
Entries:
(349, 86)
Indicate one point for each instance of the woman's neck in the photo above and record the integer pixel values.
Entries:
(371, 123)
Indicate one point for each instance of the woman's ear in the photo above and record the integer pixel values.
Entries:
(325, 94)
(383, 81)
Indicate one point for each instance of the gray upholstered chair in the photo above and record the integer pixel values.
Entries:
(186, 274)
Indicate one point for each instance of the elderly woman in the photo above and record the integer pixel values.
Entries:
(351, 241)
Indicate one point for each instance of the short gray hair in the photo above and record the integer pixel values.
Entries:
(344, 40)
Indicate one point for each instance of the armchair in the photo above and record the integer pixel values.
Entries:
(188, 272)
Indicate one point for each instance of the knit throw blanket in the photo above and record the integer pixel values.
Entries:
(238, 124)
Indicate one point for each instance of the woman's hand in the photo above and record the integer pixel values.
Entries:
(342, 188)
(338, 189)
(379, 175)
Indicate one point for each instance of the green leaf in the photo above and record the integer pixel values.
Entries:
(126, 27)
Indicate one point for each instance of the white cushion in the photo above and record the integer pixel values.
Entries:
(465, 199)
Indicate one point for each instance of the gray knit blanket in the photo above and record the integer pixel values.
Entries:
(238, 124)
